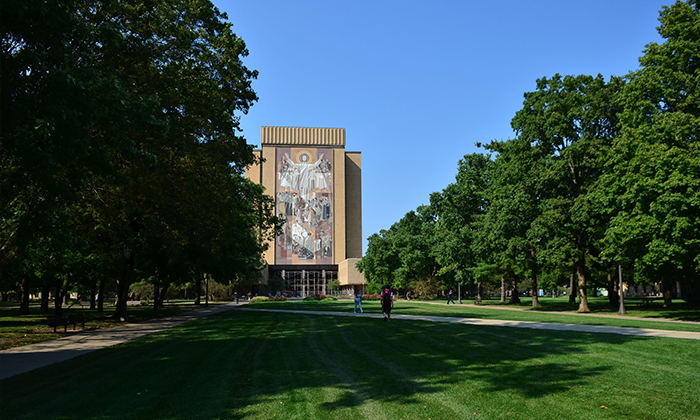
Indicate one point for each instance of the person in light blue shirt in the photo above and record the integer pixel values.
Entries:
(358, 303)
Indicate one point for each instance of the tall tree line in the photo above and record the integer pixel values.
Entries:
(120, 155)
(600, 174)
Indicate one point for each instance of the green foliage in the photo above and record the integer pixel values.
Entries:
(652, 184)
(459, 208)
(119, 128)
(600, 173)
(333, 285)
(404, 254)
(321, 298)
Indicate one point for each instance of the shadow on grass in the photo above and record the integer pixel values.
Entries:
(242, 364)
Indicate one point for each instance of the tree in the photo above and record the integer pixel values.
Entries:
(506, 249)
(54, 102)
(405, 255)
(653, 171)
(127, 111)
(458, 208)
(571, 121)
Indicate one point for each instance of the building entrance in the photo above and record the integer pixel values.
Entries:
(303, 283)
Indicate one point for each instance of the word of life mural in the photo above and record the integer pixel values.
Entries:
(304, 198)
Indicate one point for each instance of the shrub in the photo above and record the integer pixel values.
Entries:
(259, 299)
(318, 297)
(278, 298)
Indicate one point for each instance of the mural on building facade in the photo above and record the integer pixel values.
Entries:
(304, 195)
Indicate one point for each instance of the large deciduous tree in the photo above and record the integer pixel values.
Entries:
(571, 122)
(128, 111)
(459, 208)
(513, 204)
(653, 171)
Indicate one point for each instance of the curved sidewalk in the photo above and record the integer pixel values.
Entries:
(642, 332)
(24, 359)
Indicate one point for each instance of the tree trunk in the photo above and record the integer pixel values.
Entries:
(122, 296)
(503, 290)
(45, 298)
(100, 301)
(24, 296)
(198, 290)
(514, 298)
(622, 310)
(156, 289)
(581, 275)
(58, 300)
(163, 293)
(478, 292)
(572, 287)
(93, 292)
(535, 290)
(123, 289)
(668, 293)
(613, 296)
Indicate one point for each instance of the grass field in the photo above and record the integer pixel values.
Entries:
(640, 318)
(251, 365)
(19, 330)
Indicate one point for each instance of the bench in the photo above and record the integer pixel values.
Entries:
(57, 322)
(64, 322)
(76, 319)
(133, 303)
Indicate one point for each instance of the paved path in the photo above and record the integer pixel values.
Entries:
(23, 359)
(644, 332)
(583, 314)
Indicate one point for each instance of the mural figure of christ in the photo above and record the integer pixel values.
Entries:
(306, 173)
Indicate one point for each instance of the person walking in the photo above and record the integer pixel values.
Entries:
(387, 302)
(449, 298)
(358, 303)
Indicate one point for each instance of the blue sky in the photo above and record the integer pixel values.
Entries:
(417, 83)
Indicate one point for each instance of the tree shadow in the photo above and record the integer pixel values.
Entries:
(230, 365)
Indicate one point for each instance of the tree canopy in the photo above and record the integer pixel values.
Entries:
(120, 131)
(600, 173)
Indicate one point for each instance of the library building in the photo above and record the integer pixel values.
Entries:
(317, 186)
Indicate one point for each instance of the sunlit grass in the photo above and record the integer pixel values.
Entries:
(482, 312)
(252, 365)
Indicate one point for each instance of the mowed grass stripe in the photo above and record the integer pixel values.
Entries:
(486, 312)
(250, 365)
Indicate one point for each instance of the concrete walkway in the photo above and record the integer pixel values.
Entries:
(583, 314)
(642, 332)
(24, 359)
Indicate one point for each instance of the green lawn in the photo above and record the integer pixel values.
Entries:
(253, 365)
(679, 310)
(19, 330)
(643, 319)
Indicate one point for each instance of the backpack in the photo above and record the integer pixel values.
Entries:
(386, 299)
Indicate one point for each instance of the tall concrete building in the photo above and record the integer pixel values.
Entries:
(317, 187)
